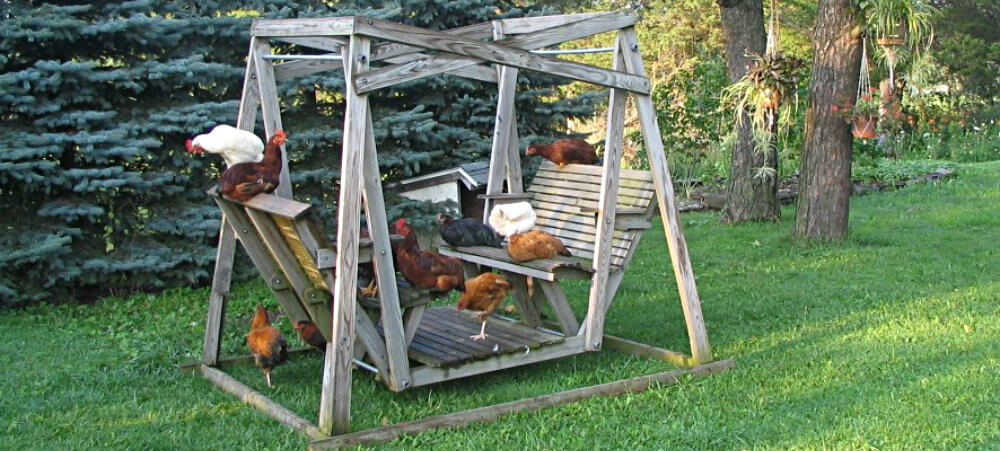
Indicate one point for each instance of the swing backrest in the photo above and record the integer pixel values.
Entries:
(566, 202)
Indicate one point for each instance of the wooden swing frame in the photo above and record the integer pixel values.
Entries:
(467, 52)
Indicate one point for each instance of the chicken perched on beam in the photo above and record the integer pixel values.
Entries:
(565, 151)
(248, 176)
(235, 146)
(425, 269)
(482, 295)
(467, 232)
(266, 343)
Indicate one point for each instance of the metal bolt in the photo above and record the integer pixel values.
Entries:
(405, 383)
(607, 220)
(276, 281)
(253, 76)
(246, 231)
(634, 47)
(597, 344)
(382, 252)
(363, 58)
(344, 341)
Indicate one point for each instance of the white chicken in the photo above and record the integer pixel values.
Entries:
(510, 219)
(234, 145)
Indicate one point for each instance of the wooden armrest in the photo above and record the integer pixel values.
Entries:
(506, 196)
(269, 203)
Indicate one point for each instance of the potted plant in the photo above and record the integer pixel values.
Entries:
(761, 92)
(864, 114)
(896, 22)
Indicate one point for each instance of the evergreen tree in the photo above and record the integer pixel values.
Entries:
(98, 98)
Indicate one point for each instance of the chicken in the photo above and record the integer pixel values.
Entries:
(245, 180)
(534, 245)
(482, 295)
(467, 232)
(310, 334)
(266, 343)
(234, 145)
(510, 219)
(566, 151)
(425, 269)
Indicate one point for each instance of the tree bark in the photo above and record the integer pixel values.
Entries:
(825, 180)
(750, 197)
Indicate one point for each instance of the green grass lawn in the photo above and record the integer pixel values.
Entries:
(890, 341)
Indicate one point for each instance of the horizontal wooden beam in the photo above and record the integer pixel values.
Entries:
(490, 413)
(261, 402)
(427, 375)
(523, 25)
(514, 52)
(643, 350)
(329, 26)
(327, 43)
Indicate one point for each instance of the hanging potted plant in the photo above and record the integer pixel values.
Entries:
(896, 22)
(772, 78)
(864, 114)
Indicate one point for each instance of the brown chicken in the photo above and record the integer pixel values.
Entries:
(425, 269)
(534, 245)
(566, 151)
(482, 295)
(245, 180)
(310, 334)
(266, 343)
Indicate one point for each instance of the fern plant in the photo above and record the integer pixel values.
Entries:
(762, 95)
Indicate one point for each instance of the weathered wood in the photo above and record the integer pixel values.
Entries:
(329, 43)
(335, 402)
(507, 87)
(527, 307)
(691, 304)
(613, 148)
(221, 278)
(411, 321)
(275, 205)
(329, 26)
(506, 196)
(564, 313)
(270, 110)
(499, 262)
(507, 92)
(262, 260)
(261, 402)
(385, 272)
(431, 375)
(301, 68)
(226, 251)
(490, 413)
(526, 25)
(643, 350)
(511, 54)
(551, 170)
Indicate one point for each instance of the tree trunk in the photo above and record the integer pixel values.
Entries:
(751, 197)
(825, 180)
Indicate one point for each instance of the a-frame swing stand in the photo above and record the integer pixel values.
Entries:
(599, 211)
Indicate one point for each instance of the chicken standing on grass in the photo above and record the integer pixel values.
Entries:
(565, 151)
(266, 343)
(467, 232)
(482, 295)
(310, 334)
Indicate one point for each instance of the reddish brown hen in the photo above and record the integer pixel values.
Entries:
(266, 343)
(534, 245)
(245, 180)
(566, 151)
(425, 269)
(482, 295)
(310, 334)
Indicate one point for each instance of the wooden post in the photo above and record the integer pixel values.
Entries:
(701, 351)
(506, 87)
(378, 229)
(613, 143)
(515, 179)
(335, 402)
(270, 110)
(226, 252)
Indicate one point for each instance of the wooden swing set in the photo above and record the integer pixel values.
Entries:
(600, 212)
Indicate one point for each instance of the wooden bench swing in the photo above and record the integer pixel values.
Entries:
(600, 212)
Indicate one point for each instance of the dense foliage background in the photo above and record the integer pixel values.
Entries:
(98, 97)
